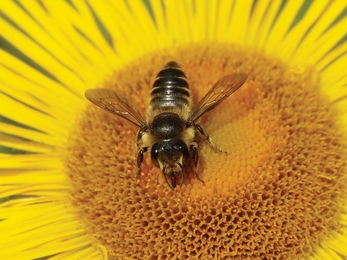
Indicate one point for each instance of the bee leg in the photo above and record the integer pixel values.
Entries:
(182, 179)
(207, 138)
(139, 137)
(140, 160)
(195, 152)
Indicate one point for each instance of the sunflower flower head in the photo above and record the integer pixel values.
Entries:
(279, 131)
(68, 168)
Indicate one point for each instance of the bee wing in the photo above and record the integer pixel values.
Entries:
(222, 89)
(109, 100)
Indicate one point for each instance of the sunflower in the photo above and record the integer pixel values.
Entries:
(68, 186)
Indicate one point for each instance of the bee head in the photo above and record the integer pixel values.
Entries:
(169, 157)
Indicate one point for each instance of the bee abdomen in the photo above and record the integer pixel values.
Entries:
(170, 88)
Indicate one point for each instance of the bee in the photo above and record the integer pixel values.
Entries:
(169, 130)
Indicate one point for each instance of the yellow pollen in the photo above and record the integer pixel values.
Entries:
(275, 194)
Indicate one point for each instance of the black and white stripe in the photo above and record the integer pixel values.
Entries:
(170, 88)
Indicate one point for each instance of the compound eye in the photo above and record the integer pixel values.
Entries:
(179, 147)
(154, 154)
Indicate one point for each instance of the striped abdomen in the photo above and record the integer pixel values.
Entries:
(170, 89)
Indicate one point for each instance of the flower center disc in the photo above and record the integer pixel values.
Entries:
(275, 194)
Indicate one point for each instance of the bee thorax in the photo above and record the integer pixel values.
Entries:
(167, 126)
